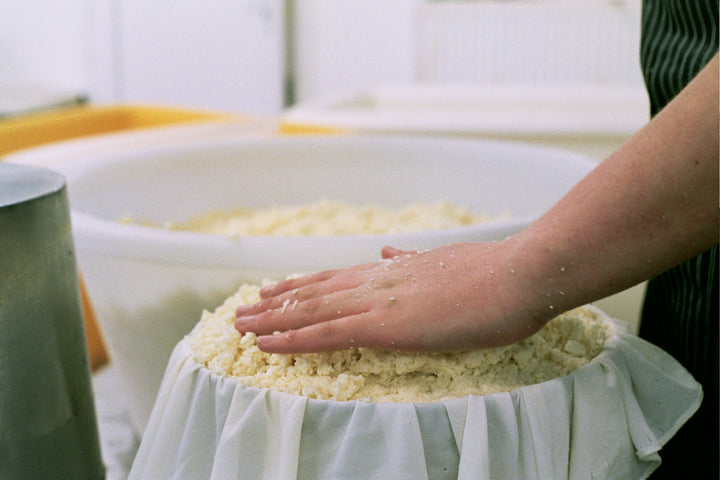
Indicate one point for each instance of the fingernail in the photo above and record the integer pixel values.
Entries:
(241, 324)
(266, 290)
(266, 341)
(242, 310)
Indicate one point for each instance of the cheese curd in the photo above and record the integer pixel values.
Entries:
(566, 343)
(326, 217)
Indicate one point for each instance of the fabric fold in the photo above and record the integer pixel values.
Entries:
(609, 418)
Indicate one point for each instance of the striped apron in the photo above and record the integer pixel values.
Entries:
(680, 313)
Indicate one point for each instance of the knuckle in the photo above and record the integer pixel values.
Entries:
(328, 330)
(311, 306)
(265, 304)
(306, 293)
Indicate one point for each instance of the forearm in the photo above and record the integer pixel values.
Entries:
(649, 206)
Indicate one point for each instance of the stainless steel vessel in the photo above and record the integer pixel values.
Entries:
(48, 426)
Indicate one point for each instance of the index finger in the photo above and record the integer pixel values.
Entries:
(294, 283)
(302, 281)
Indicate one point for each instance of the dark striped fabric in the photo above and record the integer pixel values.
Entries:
(678, 38)
(680, 313)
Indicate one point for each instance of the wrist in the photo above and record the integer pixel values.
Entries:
(546, 280)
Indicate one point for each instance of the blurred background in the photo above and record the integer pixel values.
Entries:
(261, 56)
(563, 73)
(556, 72)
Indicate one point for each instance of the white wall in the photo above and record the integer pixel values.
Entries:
(529, 42)
(344, 45)
(224, 55)
(348, 44)
(42, 43)
(218, 54)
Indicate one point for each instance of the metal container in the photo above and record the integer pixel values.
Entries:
(48, 426)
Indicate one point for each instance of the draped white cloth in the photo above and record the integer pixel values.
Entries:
(608, 419)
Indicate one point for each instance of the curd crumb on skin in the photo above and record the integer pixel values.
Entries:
(566, 343)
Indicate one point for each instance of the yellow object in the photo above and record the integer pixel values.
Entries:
(72, 122)
(36, 129)
(291, 128)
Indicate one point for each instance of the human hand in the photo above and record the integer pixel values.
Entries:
(446, 299)
(643, 210)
